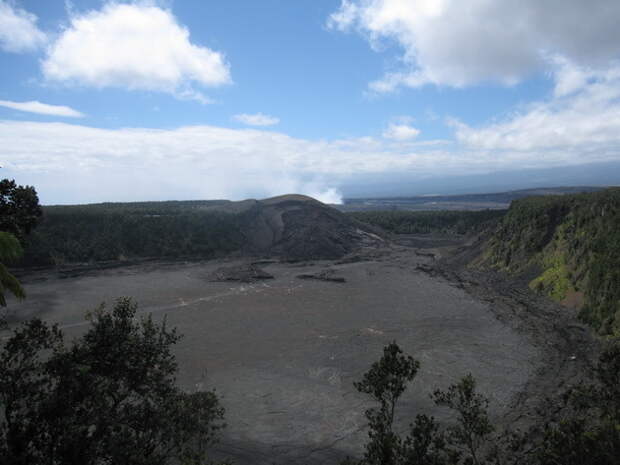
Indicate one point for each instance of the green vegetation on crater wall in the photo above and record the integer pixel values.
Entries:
(574, 242)
(555, 281)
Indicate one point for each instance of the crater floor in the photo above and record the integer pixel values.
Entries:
(283, 353)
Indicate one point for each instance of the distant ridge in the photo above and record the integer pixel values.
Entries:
(493, 201)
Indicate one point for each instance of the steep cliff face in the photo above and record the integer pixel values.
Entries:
(570, 248)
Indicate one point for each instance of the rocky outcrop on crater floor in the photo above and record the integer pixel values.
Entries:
(324, 275)
(242, 273)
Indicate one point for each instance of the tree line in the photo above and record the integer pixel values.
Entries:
(101, 232)
(425, 222)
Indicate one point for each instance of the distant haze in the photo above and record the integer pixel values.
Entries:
(599, 174)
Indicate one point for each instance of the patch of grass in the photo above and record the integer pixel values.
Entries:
(555, 281)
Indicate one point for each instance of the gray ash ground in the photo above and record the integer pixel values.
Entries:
(283, 353)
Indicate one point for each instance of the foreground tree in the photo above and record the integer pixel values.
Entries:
(472, 432)
(108, 398)
(19, 208)
(10, 250)
(426, 443)
(385, 382)
(586, 433)
(589, 431)
(19, 213)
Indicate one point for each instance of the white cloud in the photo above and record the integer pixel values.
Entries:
(401, 132)
(568, 77)
(257, 119)
(71, 163)
(459, 43)
(133, 46)
(42, 108)
(582, 119)
(18, 30)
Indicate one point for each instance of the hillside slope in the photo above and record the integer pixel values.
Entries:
(569, 249)
(291, 227)
(297, 227)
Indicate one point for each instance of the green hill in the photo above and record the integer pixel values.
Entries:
(569, 249)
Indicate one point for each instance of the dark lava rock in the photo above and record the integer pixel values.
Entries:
(242, 273)
(426, 268)
(325, 275)
(299, 228)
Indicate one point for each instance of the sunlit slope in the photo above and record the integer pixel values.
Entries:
(570, 248)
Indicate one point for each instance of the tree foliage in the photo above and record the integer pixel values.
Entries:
(108, 398)
(586, 433)
(425, 443)
(100, 232)
(574, 241)
(385, 382)
(10, 250)
(19, 213)
(19, 208)
(425, 222)
(472, 430)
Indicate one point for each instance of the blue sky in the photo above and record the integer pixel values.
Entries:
(152, 100)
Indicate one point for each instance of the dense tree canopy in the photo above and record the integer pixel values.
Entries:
(100, 232)
(574, 240)
(110, 397)
(424, 222)
(10, 250)
(19, 212)
(19, 208)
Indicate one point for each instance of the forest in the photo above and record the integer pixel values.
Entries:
(571, 246)
(191, 229)
(121, 231)
(425, 222)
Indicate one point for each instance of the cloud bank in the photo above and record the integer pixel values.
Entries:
(133, 46)
(459, 43)
(577, 124)
(582, 116)
(18, 30)
(70, 163)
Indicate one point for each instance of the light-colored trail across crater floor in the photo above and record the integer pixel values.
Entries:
(283, 353)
